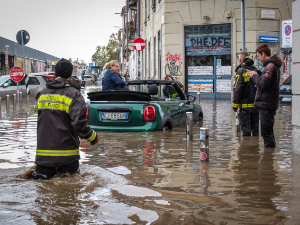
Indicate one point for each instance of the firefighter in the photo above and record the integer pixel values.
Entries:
(61, 120)
(244, 91)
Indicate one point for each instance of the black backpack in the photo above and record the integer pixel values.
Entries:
(251, 85)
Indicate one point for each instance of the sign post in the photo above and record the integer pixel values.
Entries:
(16, 74)
(23, 38)
(139, 45)
(287, 40)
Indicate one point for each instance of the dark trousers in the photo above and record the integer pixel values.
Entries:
(267, 123)
(48, 171)
(249, 123)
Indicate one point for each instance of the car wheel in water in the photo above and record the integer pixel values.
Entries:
(199, 118)
(165, 128)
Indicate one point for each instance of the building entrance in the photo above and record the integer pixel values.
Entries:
(208, 60)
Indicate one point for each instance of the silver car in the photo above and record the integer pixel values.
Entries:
(9, 87)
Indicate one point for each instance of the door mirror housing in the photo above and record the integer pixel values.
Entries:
(191, 98)
(5, 85)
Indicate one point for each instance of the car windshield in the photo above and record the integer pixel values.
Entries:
(2, 79)
(165, 91)
(288, 81)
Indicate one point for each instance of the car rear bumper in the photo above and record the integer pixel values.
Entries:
(150, 126)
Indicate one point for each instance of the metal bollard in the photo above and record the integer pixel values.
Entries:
(14, 101)
(198, 94)
(189, 126)
(204, 144)
(237, 123)
(20, 97)
(7, 104)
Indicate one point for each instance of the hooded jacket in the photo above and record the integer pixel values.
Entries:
(61, 119)
(267, 95)
(241, 91)
(112, 81)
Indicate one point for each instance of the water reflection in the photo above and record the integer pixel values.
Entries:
(243, 183)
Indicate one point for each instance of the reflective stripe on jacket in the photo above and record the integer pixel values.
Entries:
(240, 88)
(61, 120)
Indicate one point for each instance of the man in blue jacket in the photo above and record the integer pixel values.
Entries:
(112, 79)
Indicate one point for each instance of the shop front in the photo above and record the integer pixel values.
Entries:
(208, 60)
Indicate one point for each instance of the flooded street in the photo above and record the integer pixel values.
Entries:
(156, 177)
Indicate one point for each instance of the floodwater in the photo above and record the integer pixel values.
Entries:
(156, 177)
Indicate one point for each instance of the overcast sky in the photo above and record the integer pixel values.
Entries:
(62, 28)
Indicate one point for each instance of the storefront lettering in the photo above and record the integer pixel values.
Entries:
(210, 41)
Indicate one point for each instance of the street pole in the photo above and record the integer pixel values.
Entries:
(243, 24)
(127, 41)
(138, 35)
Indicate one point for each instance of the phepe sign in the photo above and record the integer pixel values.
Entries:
(287, 34)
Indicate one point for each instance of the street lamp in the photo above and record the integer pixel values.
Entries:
(242, 23)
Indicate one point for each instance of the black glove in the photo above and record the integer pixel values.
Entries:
(95, 140)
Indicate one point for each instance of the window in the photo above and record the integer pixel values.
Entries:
(45, 78)
(154, 57)
(159, 55)
(33, 81)
(11, 82)
(149, 58)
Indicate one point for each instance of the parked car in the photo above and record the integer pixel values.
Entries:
(285, 94)
(45, 75)
(9, 87)
(147, 106)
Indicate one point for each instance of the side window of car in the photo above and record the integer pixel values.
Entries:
(33, 81)
(45, 78)
(11, 82)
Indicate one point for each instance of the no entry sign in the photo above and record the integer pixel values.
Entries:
(139, 44)
(16, 74)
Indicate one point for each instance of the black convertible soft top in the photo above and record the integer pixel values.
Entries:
(119, 96)
(157, 82)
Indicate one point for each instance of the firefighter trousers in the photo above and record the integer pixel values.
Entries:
(249, 123)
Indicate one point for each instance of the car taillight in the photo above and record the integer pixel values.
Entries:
(87, 112)
(149, 113)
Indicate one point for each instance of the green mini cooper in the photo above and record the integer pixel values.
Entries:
(147, 105)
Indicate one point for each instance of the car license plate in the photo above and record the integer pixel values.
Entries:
(114, 116)
(286, 99)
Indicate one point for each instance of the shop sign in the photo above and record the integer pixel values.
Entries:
(205, 85)
(208, 41)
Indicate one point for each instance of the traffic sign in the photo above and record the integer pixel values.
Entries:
(91, 64)
(26, 37)
(269, 38)
(16, 74)
(287, 29)
(287, 34)
(139, 44)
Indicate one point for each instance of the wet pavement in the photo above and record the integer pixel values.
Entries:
(156, 177)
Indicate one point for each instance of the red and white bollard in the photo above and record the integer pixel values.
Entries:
(204, 144)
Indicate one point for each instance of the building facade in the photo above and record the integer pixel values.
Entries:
(198, 41)
(36, 61)
(296, 76)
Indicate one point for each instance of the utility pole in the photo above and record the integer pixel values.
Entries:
(243, 24)
(138, 35)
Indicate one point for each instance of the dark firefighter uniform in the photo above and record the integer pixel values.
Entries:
(170, 92)
(61, 120)
(249, 116)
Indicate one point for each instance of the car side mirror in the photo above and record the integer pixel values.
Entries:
(191, 98)
(5, 85)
